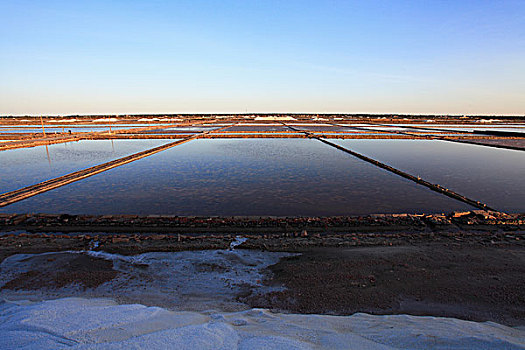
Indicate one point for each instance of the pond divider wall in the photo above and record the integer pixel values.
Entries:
(433, 187)
(61, 138)
(26, 192)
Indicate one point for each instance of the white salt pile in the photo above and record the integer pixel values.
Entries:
(76, 323)
(105, 120)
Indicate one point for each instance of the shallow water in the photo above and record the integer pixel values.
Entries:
(27, 166)
(492, 176)
(242, 177)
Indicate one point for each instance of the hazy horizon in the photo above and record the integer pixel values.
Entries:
(161, 114)
(138, 57)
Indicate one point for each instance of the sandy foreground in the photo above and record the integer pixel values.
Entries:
(460, 294)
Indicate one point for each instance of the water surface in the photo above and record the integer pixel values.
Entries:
(243, 177)
(27, 166)
(490, 175)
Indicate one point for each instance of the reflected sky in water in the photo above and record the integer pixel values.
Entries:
(27, 166)
(491, 175)
(242, 177)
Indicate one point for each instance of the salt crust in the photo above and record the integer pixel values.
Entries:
(80, 323)
(187, 280)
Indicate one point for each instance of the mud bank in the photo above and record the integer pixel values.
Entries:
(469, 282)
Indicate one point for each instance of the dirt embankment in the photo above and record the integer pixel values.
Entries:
(295, 241)
(489, 221)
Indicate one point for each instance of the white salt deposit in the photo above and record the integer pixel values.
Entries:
(76, 323)
(238, 241)
(189, 280)
(105, 120)
(148, 119)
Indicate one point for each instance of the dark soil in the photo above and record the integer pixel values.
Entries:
(82, 270)
(476, 283)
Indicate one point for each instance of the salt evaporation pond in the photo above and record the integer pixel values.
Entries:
(490, 175)
(28, 166)
(242, 177)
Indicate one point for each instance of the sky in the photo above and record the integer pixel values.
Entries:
(125, 57)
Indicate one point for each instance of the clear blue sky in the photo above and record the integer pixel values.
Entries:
(69, 57)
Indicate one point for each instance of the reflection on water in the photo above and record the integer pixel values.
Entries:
(490, 175)
(27, 166)
(242, 177)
